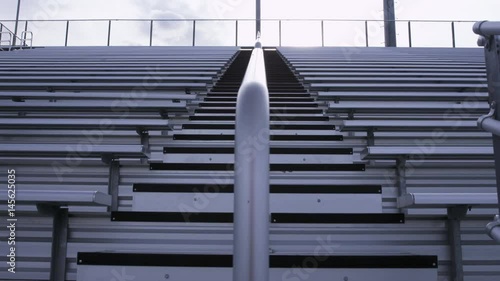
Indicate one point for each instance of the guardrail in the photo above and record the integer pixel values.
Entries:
(251, 174)
(5, 31)
(363, 27)
(490, 38)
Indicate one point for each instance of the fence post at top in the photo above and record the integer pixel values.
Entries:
(194, 32)
(109, 32)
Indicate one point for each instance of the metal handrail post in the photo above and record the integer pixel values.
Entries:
(67, 32)
(453, 38)
(194, 33)
(490, 32)
(251, 174)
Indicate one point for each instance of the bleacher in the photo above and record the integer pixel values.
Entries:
(372, 150)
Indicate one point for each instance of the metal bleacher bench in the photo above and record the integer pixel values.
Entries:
(428, 153)
(84, 123)
(28, 95)
(61, 150)
(402, 96)
(116, 105)
(62, 197)
(408, 125)
(407, 107)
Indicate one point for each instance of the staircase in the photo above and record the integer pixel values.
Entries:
(306, 151)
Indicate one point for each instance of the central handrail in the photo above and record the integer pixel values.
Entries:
(251, 174)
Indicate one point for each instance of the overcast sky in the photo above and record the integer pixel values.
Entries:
(223, 33)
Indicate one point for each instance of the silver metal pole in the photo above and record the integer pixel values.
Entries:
(151, 33)
(322, 33)
(493, 229)
(194, 32)
(67, 31)
(490, 122)
(389, 23)
(251, 174)
(490, 125)
(454, 43)
(17, 22)
(257, 17)
(109, 33)
(487, 28)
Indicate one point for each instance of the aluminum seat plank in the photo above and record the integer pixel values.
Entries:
(408, 125)
(58, 150)
(151, 106)
(87, 123)
(438, 152)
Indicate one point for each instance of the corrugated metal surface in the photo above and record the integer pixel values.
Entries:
(58, 75)
(456, 75)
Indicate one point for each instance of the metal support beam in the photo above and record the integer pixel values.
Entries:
(491, 32)
(17, 22)
(401, 176)
(59, 244)
(455, 214)
(251, 174)
(370, 138)
(113, 183)
(389, 23)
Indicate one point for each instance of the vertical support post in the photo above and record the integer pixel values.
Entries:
(67, 32)
(251, 174)
(59, 244)
(151, 33)
(279, 35)
(401, 176)
(257, 17)
(366, 33)
(17, 22)
(322, 33)
(389, 23)
(453, 34)
(113, 183)
(236, 35)
(25, 30)
(370, 138)
(109, 33)
(455, 214)
(1, 30)
(194, 32)
(409, 34)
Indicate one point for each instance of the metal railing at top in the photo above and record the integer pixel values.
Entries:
(26, 36)
(405, 27)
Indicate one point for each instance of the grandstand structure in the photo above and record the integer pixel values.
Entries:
(366, 166)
